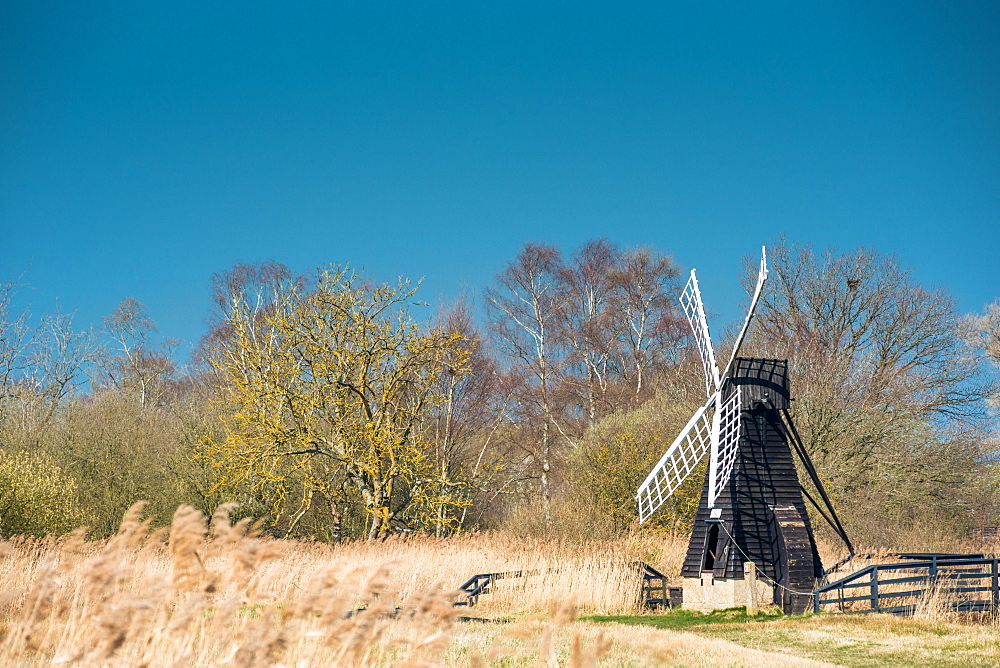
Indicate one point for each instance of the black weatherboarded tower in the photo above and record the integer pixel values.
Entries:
(761, 513)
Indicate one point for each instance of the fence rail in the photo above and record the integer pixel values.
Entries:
(654, 591)
(964, 584)
(479, 584)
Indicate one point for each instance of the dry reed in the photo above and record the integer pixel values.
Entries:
(210, 593)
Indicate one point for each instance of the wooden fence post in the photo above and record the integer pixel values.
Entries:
(874, 589)
(750, 579)
(995, 585)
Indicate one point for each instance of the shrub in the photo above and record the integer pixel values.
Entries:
(37, 498)
(617, 454)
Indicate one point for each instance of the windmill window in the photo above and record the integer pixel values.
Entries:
(711, 548)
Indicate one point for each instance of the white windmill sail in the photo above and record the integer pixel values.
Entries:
(695, 312)
(677, 462)
(717, 432)
(724, 454)
(697, 437)
(761, 277)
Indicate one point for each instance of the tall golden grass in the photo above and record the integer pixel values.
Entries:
(210, 593)
(206, 593)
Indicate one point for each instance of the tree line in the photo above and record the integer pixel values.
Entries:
(337, 407)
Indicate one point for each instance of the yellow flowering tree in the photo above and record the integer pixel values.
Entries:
(329, 387)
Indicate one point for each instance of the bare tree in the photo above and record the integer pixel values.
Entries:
(982, 332)
(41, 365)
(584, 335)
(618, 317)
(257, 284)
(874, 354)
(15, 338)
(467, 425)
(58, 358)
(653, 331)
(138, 362)
(523, 309)
(588, 318)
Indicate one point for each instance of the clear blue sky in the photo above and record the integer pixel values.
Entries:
(145, 146)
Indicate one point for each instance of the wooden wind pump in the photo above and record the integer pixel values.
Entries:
(752, 507)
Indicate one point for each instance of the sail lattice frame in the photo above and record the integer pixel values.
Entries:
(761, 278)
(677, 462)
(695, 311)
(724, 455)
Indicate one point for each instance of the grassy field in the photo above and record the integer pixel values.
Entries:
(845, 640)
(208, 594)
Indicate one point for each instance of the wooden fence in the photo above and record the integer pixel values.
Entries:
(964, 584)
(654, 592)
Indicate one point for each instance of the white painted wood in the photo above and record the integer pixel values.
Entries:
(725, 445)
(694, 310)
(677, 462)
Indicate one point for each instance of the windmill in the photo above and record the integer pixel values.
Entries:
(752, 507)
